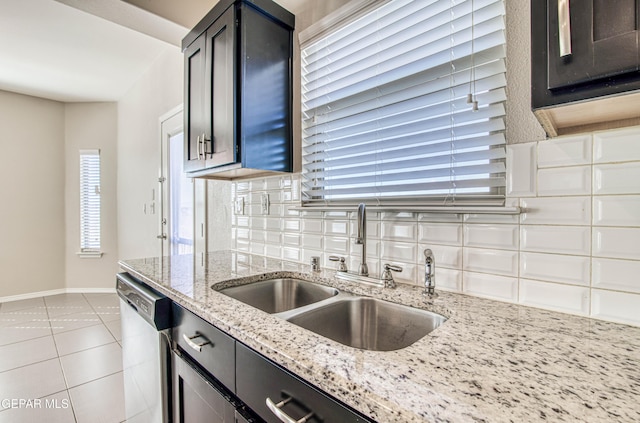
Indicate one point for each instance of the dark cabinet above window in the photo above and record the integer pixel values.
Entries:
(238, 91)
(585, 51)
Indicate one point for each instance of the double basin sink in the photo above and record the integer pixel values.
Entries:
(359, 322)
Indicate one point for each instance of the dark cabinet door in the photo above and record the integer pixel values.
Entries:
(194, 104)
(605, 51)
(604, 40)
(220, 108)
(196, 399)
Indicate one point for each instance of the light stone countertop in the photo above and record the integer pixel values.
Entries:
(490, 362)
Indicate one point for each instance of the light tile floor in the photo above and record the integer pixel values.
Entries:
(61, 360)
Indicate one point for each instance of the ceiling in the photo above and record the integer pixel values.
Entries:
(76, 51)
(89, 50)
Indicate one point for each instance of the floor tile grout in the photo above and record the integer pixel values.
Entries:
(101, 310)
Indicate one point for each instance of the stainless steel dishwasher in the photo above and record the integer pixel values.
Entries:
(146, 319)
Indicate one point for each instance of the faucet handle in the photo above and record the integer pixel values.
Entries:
(387, 276)
(342, 266)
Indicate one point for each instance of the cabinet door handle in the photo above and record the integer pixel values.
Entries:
(276, 409)
(564, 28)
(194, 345)
(198, 146)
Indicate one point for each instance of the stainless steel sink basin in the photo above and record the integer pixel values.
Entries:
(369, 323)
(278, 295)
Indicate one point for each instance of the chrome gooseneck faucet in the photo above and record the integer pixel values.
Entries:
(429, 273)
(361, 238)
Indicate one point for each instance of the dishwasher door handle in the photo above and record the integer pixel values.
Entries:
(194, 345)
(276, 409)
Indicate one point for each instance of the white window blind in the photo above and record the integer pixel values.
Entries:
(89, 200)
(385, 108)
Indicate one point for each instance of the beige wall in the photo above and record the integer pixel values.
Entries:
(91, 126)
(32, 224)
(139, 111)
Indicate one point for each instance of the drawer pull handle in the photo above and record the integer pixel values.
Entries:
(564, 28)
(194, 345)
(276, 409)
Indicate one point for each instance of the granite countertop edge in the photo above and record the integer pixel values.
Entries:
(491, 361)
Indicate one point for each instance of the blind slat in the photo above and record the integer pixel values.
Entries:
(90, 200)
(385, 109)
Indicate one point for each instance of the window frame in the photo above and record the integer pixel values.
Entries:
(90, 204)
(336, 21)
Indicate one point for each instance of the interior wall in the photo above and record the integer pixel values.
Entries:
(32, 179)
(91, 126)
(139, 111)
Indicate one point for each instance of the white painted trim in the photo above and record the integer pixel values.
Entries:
(171, 113)
(57, 292)
(347, 13)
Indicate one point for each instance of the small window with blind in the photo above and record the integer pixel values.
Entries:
(405, 104)
(90, 203)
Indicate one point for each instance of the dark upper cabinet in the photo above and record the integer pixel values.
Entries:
(238, 91)
(604, 56)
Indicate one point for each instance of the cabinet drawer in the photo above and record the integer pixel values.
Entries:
(207, 345)
(259, 380)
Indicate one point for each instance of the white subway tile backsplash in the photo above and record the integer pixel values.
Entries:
(273, 224)
(291, 253)
(273, 251)
(258, 236)
(291, 225)
(446, 279)
(257, 222)
(574, 240)
(554, 296)
(556, 211)
(521, 167)
(312, 226)
(573, 270)
(312, 241)
(504, 237)
(565, 151)
(616, 146)
(399, 251)
(573, 249)
(336, 227)
(336, 245)
(499, 262)
(292, 239)
(619, 275)
(399, 231)
(274, 238)
(242, 245)
(619, 178)
(409, 274)
(564, 181)
(445, 255)
(242, 186)
(373, 229)
(490, 286)
(621, 243)
(242, 233)
(615, 306)
(440, 233)
(274, 183)
(620, 210)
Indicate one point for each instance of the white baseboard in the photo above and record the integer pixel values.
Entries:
(57, 292)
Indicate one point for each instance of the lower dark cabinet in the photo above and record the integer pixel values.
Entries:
(196, 399)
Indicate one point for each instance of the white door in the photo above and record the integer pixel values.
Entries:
(177, 193)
